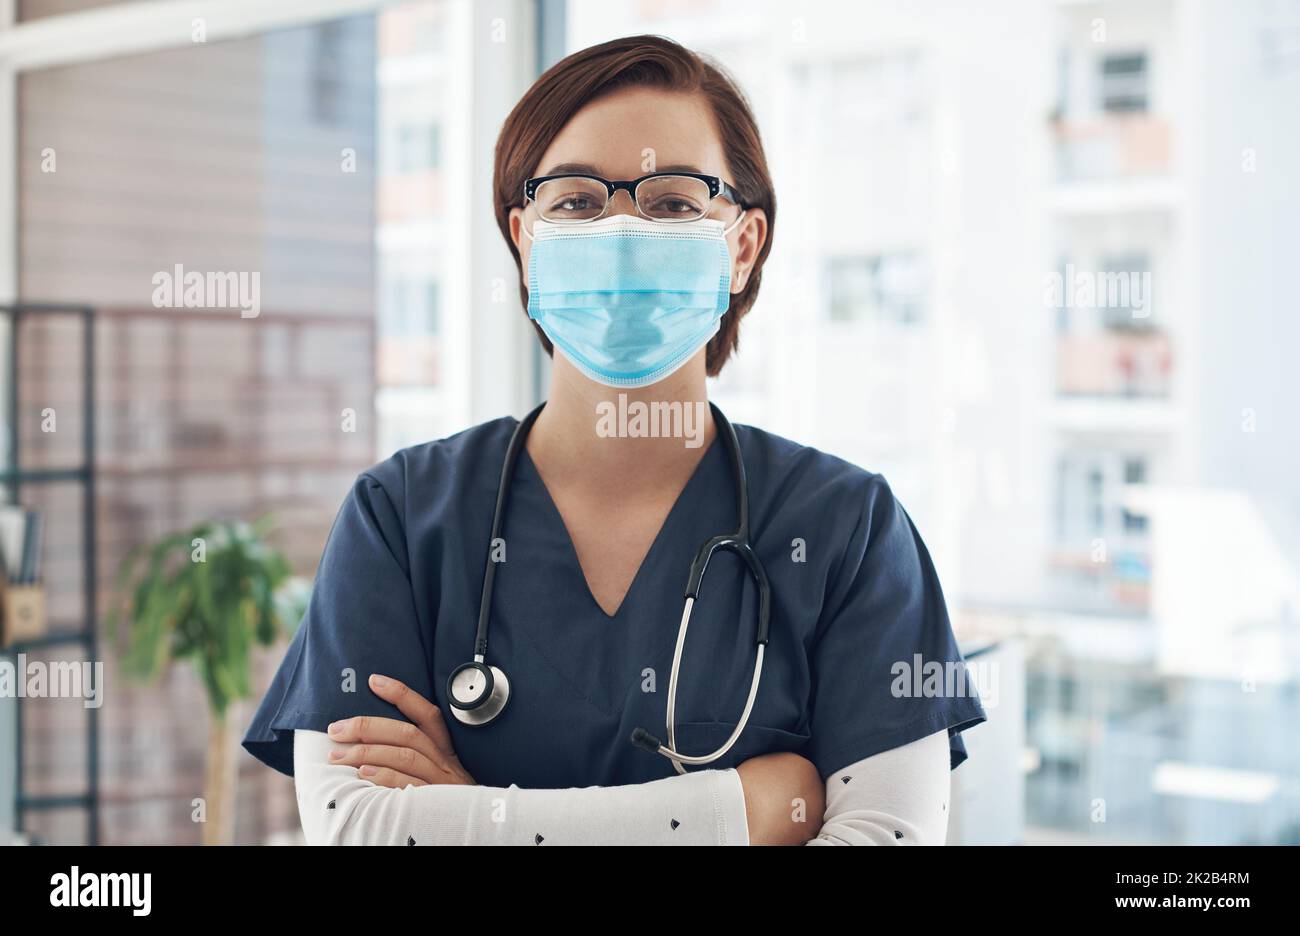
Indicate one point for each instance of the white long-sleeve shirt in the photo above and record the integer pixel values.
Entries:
(896, 797)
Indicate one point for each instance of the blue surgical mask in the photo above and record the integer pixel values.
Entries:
(626, 299)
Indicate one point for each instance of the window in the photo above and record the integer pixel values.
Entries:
(1124, 82)
(1135, 472)
(327, 63)
(1062, 82)
(881, 91)
(886, 288)
(410, 309)
(1097, 501)
(1063, 317)
(429, 325)
(416, 147)
(1121, 290)
(203, 413)
(1091, 497)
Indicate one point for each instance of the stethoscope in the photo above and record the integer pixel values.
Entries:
(478, 692)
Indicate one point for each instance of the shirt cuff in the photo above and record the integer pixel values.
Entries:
(730, 797)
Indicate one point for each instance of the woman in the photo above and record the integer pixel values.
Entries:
(632, 187)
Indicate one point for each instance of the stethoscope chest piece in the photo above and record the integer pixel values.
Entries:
(477, 692)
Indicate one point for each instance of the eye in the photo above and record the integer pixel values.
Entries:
(673, 198)
(577, 201)
(570, 199)
(671, 205)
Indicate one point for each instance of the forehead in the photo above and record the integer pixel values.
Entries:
(627, 133)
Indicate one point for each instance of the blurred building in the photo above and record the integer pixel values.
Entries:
(1107, 469)
(420, 79)
(1175, 492)
(452, 348)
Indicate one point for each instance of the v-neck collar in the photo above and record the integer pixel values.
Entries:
(672, 518)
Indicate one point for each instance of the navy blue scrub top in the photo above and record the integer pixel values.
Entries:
(855, 599)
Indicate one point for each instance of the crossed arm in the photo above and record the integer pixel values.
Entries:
(385, 781)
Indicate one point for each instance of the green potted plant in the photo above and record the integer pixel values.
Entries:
(208, 596)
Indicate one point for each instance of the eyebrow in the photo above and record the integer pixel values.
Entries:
(586, 169)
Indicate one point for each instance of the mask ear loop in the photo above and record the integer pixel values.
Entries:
(734, 224)
(725, 231)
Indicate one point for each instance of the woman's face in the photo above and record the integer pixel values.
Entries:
(636, 131)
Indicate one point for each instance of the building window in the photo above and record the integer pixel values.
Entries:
(430, 310)
(885, 288)
(1097, 501)
(882, 91)
(410, 308)
(1135, 472)
(1121, 294)
(327, 68)
(418, 147)
(1063, 64)
(1124, 82)
(1090, 497)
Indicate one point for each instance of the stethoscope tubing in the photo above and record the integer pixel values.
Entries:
(497, 689)
(669, 750)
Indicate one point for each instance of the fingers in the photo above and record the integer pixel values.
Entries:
(417, 708)
(437, 730)
(387, 777)
(409, 702)
(428, 735)
(369, 729)
(402, 760)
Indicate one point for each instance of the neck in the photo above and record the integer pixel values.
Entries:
(616, 440)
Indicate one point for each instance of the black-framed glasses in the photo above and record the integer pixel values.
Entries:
(671, 197)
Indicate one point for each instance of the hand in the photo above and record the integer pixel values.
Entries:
(776, 786)
(394, 753)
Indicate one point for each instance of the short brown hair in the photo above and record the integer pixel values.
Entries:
(647, 61)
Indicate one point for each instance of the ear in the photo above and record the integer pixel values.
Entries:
(520, 240)
(746, 243)
(517, 228)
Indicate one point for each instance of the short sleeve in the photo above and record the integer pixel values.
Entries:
(361, 619)
(886, 667)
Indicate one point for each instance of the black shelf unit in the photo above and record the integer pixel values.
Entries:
(14, 478)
